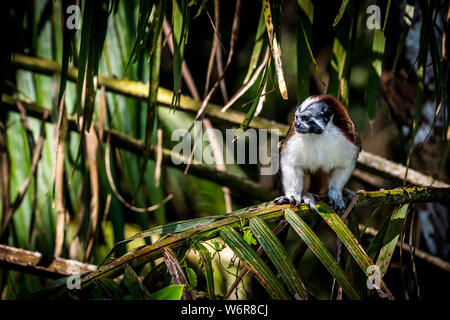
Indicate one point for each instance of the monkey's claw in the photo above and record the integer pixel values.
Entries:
(294, 199)
(335, 200)
(310, 200)
(281, 200)
(338, 207)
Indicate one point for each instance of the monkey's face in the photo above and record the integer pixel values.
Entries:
(313, 119)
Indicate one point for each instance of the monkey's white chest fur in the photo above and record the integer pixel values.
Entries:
(325, 151)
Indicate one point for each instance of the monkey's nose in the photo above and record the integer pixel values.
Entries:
(300, 129)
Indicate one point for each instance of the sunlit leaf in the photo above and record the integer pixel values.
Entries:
(317, 247)
(255, 264)
(279, 257)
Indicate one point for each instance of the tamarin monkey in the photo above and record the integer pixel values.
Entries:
(321, 147)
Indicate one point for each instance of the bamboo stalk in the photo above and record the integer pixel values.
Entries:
(138, 90)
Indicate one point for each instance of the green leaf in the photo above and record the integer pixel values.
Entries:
(200, 8)
(251, 112)
(304, 53)
(180, 20)
(340, 12)
(209, 271)
(140, 42)
(256, 52)
(373, 85)
(369, 221)
(276, 54)
(349, 240)
(377, 241)
(133, 284)
(390, 240)
(151, 119)
(388, 8)
(279, 257)
(191, 278)
(343, 44)
(218, 246)
(318, 248)
(255, 264)
(67, 53)
(88, 16)
(248, 236)
(172, 292)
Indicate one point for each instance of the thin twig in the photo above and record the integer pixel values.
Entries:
(218, 51)
(36, 156)
(114, 189)
(234, 32)
(249, 83)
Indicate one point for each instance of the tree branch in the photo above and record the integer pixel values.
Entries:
(139, 91)
(36, 263)
(240, 218)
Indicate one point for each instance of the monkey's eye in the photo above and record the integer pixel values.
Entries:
(304, 118)
(327, 113)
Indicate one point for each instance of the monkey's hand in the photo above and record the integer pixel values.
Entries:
(335, 200)
(294, 199)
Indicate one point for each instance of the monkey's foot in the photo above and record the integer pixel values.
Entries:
(281, 200)
(310, 200)
(349, 194)
(294, 199)
(335, 200)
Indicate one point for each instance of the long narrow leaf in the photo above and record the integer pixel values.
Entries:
(304, 37)
(144, 15)
(180, 20)
(349, 240)
(257, 47)
(279, 257)
(251, 112)
(390, 240)
(373, 85)
(318, 248)
(275, 49)
(340, 12)
(134, 284)
(88, 14)
(209, 271)
(255, 264)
